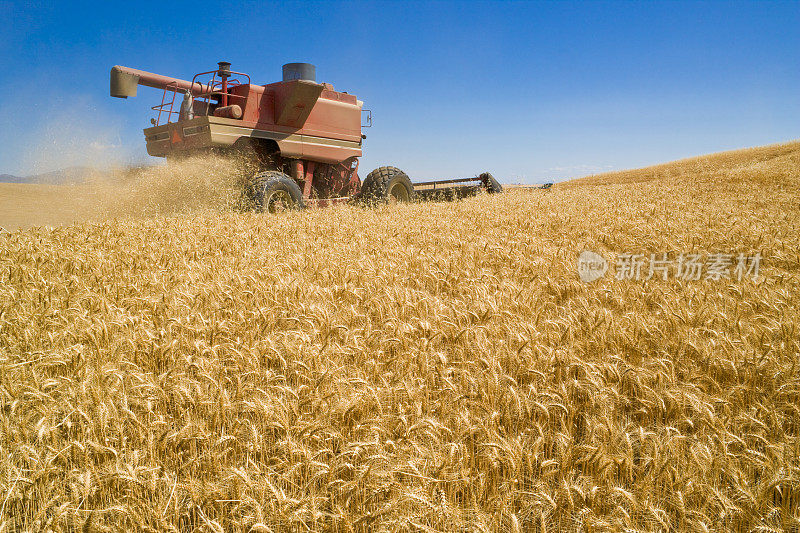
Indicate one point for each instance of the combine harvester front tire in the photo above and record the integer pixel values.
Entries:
(275, 191)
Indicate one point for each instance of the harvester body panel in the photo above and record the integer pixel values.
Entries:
(188, 136)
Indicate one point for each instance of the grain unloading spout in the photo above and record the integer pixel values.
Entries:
(124, 82)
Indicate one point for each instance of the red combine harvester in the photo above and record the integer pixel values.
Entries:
(304, 137)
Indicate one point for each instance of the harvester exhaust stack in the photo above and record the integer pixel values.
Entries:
(224, 70)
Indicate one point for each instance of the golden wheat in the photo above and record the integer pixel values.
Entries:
(426, 367)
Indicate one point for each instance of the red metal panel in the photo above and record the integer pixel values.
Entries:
(330, 94)
(249, 102)
(334, 119)
(329, 154)
(294, 101)
(309, 179)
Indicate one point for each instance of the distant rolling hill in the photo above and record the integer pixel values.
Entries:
(55, 177)
(8, 178)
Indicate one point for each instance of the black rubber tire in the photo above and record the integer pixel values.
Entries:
(273, 191)
(387, 183)
(491, 185)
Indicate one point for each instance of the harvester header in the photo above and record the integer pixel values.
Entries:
(305, 136)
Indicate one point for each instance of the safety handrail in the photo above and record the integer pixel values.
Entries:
(216, 89)
(160, 108)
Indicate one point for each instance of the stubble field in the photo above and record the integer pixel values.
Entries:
(424, 367)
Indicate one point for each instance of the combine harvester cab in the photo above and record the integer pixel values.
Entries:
(304, 137)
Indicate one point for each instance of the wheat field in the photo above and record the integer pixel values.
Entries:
(422, 367)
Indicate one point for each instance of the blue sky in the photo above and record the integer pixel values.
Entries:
(531, 91)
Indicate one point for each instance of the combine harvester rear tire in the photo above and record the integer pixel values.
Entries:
(387, 185)
(275, 191)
